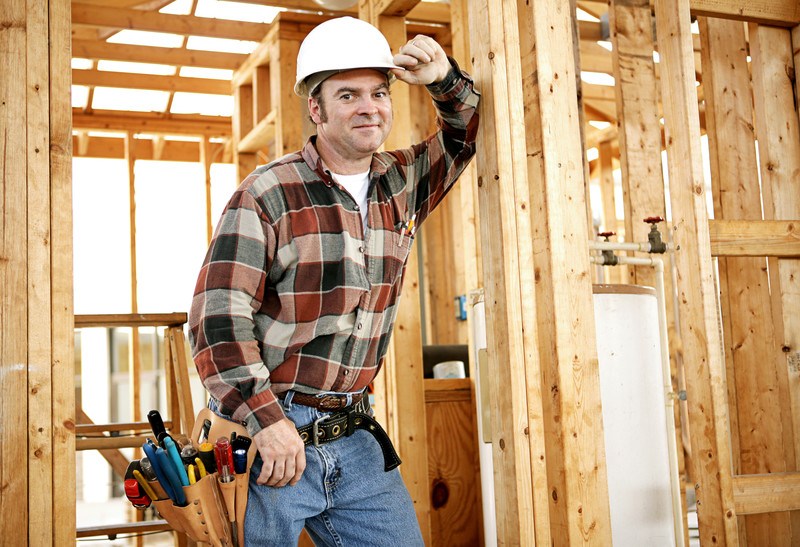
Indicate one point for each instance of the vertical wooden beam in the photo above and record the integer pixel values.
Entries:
(407, 337)
(205, 159)
(579, 508)
(520, 472)
(639, 132)
(14, 272)
(261, 93)
(39, 424)
(242, 125)
(62, 318)
(610, 224)
(289, 121)
(135, 362)
(751, 344)
(699, 330)
(35, 296)
(778, 134)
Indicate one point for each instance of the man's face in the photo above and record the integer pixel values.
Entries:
(353, 113)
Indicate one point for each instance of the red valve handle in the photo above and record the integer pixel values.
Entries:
(607, 234)
(653, 220)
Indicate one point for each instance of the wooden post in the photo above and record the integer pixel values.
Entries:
(778, 135)
(578, 490)
(521, 491)
(205, 159)
(408, 404)
(289, 121)
(242, 124)
(705, 376)
(37, 458)
(135, 363)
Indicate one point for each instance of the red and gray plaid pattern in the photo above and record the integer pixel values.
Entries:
(293, 294)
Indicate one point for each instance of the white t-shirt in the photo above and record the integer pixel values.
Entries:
(357, 186)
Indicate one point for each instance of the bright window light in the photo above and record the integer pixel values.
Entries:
(605, 44)
(81, 64)
(695, 27)
(598, 124)
(107, 134)
(220, 44)
(656, 57)
(178, 7)
(80, 94)
(583, 16)
(597, 78)
(182, 138)
(145, 38)
(592, 154)
(136, 68)
(138, 100)
(200, 72)
(201, 103)
(236, 10)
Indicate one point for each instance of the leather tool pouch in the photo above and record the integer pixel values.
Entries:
(213, 507)
(204, 518)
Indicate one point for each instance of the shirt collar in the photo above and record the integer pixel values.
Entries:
(310, 155)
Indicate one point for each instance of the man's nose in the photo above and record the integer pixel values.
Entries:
(367, 105)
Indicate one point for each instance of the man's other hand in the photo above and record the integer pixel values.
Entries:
(424, 61)
(282, 452)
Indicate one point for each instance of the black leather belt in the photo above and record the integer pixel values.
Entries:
(344, 423)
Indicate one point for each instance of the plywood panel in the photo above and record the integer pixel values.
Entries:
(452, 464)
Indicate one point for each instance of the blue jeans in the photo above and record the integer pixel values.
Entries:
(344, 497)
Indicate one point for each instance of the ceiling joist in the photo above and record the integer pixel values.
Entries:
(148, 81)
(97, 50)
(149, 122)
(153, 21)
(784, 13)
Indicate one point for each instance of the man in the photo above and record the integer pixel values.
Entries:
(298, 293)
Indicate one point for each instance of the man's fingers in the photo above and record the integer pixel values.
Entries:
(277, 473)
(300, 466)
(266, 472)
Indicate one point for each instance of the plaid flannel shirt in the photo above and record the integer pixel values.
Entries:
(294, 293)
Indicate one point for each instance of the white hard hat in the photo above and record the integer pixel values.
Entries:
(341, 44)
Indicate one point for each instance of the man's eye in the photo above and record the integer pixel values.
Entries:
(346, 96)
(380, 94)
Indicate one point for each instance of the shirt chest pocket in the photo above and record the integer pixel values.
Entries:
(397, 245)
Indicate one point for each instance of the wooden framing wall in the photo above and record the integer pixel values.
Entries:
(36, 339)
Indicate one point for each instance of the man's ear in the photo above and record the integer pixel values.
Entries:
(314, 110)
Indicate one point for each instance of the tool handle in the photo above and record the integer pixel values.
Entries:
(172, 450)
(150, 450)
(154, 417)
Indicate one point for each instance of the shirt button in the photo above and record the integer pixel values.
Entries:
(361, 249)
(359, 326)
(358, 208)
(346, 372)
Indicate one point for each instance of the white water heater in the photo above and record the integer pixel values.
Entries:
(634, 416)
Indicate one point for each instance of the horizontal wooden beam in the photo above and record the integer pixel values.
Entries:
(186, 25)
(397, 8)
(261, 136)
(130, 320)
(783, 13)
(114, 148)
(148, 122)
(149, 81)
(99, 50)
(127, 528)
(779, 238)
(767, 493)
(428, 12)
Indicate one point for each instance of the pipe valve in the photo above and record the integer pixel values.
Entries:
(609, 258)
(657, 244)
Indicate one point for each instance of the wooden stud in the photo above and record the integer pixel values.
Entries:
(181, 379)
(520, 477)
(579, 507)
(135, 363)
(150, 81)
(242, 125)
(751, 346)
(261, 93)
(607, 193)
(39, 423)
(205, 159)
(778, 134)
(705, 376)
(291, 113)
(772, 12)
(767, 493)
(61, 286)
(146, 122)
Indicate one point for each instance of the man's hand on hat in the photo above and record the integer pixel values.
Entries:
(424, 61)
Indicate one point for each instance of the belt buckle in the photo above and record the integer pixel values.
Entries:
(315, 429)
(330, 402)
